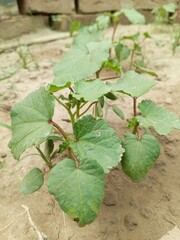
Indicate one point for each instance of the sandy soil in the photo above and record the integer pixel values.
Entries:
(131, 211)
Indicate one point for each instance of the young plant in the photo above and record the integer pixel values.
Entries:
(26, 57)
(165, 14)
(93, 149)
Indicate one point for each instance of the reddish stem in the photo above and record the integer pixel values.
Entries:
(135, 106)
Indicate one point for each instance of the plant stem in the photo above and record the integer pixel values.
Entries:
(77, 111)
(48, 162)
(135, 106)
(73, 157)
(109, 78)
(114, 31)
(132, 58)
(113, 37)
(135, 129)
(87, 109)
(60, 130)
(70, 88)
(68, 110)
(61, 103)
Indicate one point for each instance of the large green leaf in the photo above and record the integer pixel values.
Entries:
(133, 84)
(90, 90)
(32, 181)
(79, 191)
(30, 118)
(134, 16)
(97, 141)
(82, 61)
(158, 117)
(139, 155)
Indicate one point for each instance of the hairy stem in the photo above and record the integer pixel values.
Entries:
(48, 162)
(60, 130)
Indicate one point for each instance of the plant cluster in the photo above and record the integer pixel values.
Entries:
(165, 14)
(77, 181)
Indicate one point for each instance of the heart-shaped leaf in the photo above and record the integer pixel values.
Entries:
(82, 61)
(133, 84)
(79, 191)
(139, 155)
(122, 51)
(97, 141)
(30, 118)
(90, 90)
(32, 181)
(158, 117)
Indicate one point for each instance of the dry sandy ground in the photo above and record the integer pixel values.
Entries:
(131, 211)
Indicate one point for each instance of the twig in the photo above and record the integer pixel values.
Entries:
(41, 235)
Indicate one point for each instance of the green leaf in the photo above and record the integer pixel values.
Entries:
(158, 117)
(87, 35)
(5, 125)
(170, 7)
(111, 96)
(97, 141)
(48, 148)
(82, 61)
(90, 90)
(139, 155)
(133, 38)
(55, 138)
(32, 181)
(134, 16)
(133, 84)
(79, 191)
(118, 112)
(141, 69)
(30, 118)
(112, 65)
(122, 51)
(60, 82)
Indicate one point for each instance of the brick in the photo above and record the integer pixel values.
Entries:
(18, 25)
(45, 6)
(95, 6)
(151, 4)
